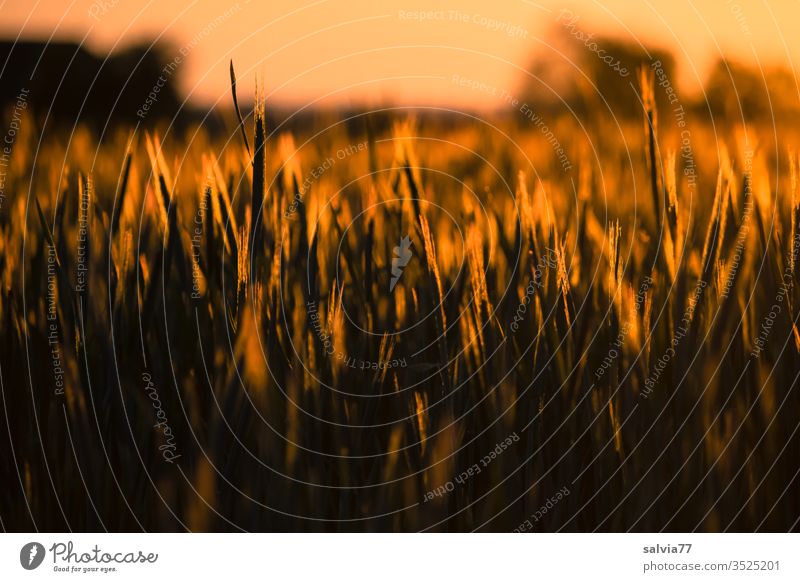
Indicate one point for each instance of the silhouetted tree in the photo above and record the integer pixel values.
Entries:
(65, 82)
(593, 74)
(736, 91)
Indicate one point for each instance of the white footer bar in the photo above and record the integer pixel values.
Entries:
(389, 557)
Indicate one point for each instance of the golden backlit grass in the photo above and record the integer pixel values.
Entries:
(604, 271)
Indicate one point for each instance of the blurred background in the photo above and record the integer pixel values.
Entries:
(466, 55)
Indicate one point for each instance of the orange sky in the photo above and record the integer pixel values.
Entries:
(347, 51)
